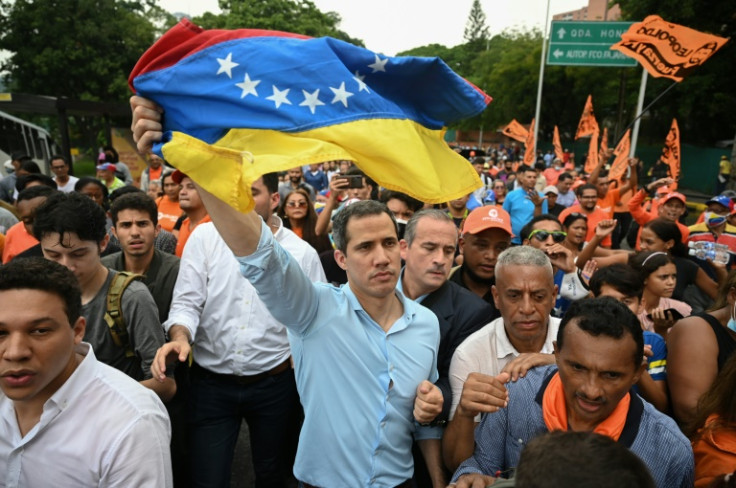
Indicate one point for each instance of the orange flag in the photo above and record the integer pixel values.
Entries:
(516, 131)
(621, 153)
(671, 153)
(592, 160)
(587, 125)
(529, 156)
(557, 144)
(667, 50)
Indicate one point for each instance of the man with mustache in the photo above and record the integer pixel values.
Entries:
(504, 349)
(599, 353)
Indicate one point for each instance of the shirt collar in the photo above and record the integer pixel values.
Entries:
(504, 346)
(77, 384)
(409, 306)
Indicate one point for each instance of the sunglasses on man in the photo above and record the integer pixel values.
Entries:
(542, 235)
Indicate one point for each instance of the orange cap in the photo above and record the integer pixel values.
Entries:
(487, 217)
(672, 195)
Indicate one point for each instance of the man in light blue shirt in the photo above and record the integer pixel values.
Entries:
(524, 203)
(365, 356)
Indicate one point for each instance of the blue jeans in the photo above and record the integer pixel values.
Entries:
(270, 407)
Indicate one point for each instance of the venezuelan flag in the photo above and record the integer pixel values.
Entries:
(241, 103)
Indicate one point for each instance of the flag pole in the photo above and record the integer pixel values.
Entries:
(639, 112)
(541, 80)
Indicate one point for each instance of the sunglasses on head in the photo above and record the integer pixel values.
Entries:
(542, 235)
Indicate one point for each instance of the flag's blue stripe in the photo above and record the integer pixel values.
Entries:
(205, 104)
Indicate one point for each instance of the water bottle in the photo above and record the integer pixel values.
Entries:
(707, 245)
(716, 255)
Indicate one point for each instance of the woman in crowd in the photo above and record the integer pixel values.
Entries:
(499, 188)
(659, 275)
(713, 431)
(576, 227)
(699, 347)
(298, 214)
(660, 235)
(95, 189)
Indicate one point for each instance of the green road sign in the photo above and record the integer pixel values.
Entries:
(574, 43)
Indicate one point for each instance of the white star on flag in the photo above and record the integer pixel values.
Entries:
(311, 100)
(378, 65)
(341, 95)
(248, 86)
(227, 65)
(361, 84)
(279, 96)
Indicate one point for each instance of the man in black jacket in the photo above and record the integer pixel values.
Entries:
(428, 248)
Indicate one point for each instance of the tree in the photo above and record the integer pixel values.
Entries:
(81, 49)
(297, 16)
(476, 31)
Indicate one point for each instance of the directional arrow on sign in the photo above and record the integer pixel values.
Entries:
(557, 53)
(561, 32)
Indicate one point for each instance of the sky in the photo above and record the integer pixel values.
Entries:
(392, 26)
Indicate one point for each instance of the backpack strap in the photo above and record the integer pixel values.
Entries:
(114, 310)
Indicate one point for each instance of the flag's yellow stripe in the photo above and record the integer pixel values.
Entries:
(400, 155)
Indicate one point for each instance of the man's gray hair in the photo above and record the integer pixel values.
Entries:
(428, 213)
(523, 256)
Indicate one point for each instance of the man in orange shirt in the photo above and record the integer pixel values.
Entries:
(587, 198)
(608, 197)
(671, 206)
(192, 205)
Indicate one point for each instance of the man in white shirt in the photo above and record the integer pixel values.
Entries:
(242, 365)
(64, 181)
(65, 418)
(504, 349)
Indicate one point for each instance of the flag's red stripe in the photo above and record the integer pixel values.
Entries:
(185, 39)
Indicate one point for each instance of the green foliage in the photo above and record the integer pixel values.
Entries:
(82, 49)
(298, 16)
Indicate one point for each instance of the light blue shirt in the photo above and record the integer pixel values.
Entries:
(357, 383)
(521, 210)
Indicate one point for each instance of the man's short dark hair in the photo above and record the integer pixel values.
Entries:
(540, 166)
(357, 210)
(410, 202)
(24, 180)
(59, 156)
(35, 192)
(621, 277)
(124, 190)
(529, 227)
(136, 200)
(29, 166)
(565, 458)
(604, 316)
(74, 213)
(586, 186)
(564, 176)
(525, 168)
(271, 182)
(41, 274)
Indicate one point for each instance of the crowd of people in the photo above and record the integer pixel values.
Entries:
(546, 321)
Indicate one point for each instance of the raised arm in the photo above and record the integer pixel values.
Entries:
(241, 232)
